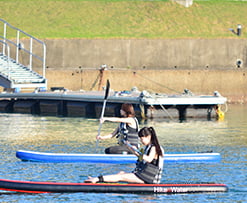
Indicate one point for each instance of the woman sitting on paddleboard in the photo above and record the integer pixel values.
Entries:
(127, 130)
(149, 164)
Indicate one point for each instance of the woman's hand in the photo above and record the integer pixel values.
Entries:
(98, 137)
(102, 120)
(140, 157)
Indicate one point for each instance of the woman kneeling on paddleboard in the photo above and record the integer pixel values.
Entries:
(127, 130)
(149, 164)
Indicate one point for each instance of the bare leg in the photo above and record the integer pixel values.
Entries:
(122, 176)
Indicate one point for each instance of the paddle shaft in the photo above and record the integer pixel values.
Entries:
(133, 148)
(102, 115)
(103, 109)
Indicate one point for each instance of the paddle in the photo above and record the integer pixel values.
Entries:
(133, 148)
(103, 109)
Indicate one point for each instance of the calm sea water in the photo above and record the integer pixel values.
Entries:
(77, 135)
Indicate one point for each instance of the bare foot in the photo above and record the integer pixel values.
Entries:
(91, 180)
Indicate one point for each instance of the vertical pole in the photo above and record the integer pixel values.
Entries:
(4, 37)
(31, 53)
(209, 111)
(18, 47)
(182, 112)
(239, 28)
(44, 59)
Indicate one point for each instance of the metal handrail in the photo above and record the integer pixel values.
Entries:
(8, 54)
(13, 43)
(18, 47)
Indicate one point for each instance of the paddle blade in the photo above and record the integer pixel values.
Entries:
(107, 89)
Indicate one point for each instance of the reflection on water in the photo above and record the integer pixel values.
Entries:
(38, 131)
(77, 135)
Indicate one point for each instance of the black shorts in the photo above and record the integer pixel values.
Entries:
(117, 150)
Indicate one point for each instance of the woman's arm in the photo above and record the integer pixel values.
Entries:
(113, 134)
(152, 155)
(129, 120)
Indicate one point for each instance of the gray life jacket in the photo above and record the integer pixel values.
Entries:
(125, 132)
(149, 172)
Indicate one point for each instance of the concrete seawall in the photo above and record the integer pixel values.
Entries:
(230, 83)
(138, 53)
(167, 66)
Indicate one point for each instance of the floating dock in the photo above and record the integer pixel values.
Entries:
(89, 103)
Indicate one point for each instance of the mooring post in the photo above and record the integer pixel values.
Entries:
(209, 111)
(182, 112)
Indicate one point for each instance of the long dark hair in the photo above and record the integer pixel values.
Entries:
(150, 131)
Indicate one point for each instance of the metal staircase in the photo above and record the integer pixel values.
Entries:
(13, 74)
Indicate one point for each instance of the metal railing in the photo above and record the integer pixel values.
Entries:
(8, 54)
(19, 47)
